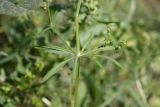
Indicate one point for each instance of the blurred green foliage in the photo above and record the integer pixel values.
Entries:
(135, 33)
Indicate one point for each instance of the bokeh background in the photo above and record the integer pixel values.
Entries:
(22, 66)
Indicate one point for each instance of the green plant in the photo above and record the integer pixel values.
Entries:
(72, 54)
(77, 54)
(86, 45)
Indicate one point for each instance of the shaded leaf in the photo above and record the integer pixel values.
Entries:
(7, 59)
(111, 59)
(96, 50)
(87, 42)
(136, 97)
(55, 69)
(57, 50)
(107, 22)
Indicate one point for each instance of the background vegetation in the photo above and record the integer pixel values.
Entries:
(131, 26)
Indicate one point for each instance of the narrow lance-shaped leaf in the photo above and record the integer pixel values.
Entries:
(7, 58)
(57, 50)
(111, 59)
(97, 62)
(114, 96)
(131, 13)
(54, 70)
(3, 53)
(107, 22)
(136, 97)
(88, 41)
(96, 50)
(62, 38)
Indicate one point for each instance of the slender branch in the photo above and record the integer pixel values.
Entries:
(49, 14)
(77, 25)
(77, 61)
(76, 82)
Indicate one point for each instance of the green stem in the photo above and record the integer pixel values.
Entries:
(77, 61)
(77, 25)
(49, 14)
(76, 82)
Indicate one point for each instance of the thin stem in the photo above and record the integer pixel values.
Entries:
(49, 14)
(70, 94)
(76, 82)
(77, 25)
(77, 61)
